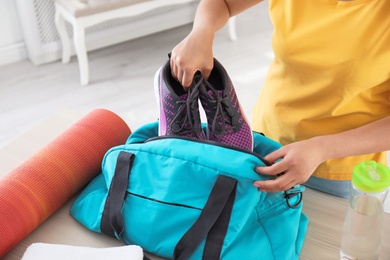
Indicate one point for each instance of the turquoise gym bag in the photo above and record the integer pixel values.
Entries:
(188, 199)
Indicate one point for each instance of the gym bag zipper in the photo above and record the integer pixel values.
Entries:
(288, 194)
(267, 163)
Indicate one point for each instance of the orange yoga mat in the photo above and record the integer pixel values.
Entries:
(42, 184)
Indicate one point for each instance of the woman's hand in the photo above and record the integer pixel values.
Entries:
(192, 54)
(298, 162)
(195, 53)
(300, 159)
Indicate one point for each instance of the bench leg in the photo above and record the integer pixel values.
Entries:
(232, 28)
(61, 29)
(81, 51)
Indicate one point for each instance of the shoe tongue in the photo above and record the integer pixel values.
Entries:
(183, 96)
(213, 93)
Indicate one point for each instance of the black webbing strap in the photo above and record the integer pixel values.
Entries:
(112, 221)
(212, 222)
(217, 233)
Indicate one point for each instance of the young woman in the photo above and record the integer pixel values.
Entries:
(326, 96)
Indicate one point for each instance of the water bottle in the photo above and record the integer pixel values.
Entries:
(361, 238)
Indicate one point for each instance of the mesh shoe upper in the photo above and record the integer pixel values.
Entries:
(179, 110)
(226, 124)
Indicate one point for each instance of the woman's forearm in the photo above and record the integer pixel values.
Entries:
(212, 15)
(371, 138)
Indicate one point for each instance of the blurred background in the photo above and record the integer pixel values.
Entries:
(35, 84)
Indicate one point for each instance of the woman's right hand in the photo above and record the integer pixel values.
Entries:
(195, 52)
(192, 54)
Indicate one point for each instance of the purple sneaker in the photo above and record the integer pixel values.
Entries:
(226, 123)
(179, 110)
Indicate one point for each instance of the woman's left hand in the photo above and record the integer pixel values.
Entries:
(298, 162)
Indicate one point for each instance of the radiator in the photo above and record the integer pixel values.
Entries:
(43, 44)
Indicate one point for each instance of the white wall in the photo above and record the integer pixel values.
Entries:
(12, 47)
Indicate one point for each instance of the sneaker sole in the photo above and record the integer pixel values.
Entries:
(157, 93)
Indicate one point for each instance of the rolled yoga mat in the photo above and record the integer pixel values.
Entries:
(43, 183)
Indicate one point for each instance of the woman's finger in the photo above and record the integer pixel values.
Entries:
(281, 183)
(274, 169)
(275, 155)
(187, 79)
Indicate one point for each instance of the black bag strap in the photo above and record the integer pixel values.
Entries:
(112, 221)
(212, 222)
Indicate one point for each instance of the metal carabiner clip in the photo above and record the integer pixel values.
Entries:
(294, 191)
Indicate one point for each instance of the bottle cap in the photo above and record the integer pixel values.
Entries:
(370, 176)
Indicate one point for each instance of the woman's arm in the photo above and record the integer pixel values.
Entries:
(300, 159)
(194, 53)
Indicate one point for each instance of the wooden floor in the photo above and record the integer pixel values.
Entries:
(122, 77)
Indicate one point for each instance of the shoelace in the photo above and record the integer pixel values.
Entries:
(190, 122)
(229, 119)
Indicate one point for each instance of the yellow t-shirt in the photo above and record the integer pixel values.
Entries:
(331, 73)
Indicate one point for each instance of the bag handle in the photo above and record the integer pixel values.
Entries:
(112, 221)
(212, 222)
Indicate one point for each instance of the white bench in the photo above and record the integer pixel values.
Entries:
(82, 14)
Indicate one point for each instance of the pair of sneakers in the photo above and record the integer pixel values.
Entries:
(179, 109)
